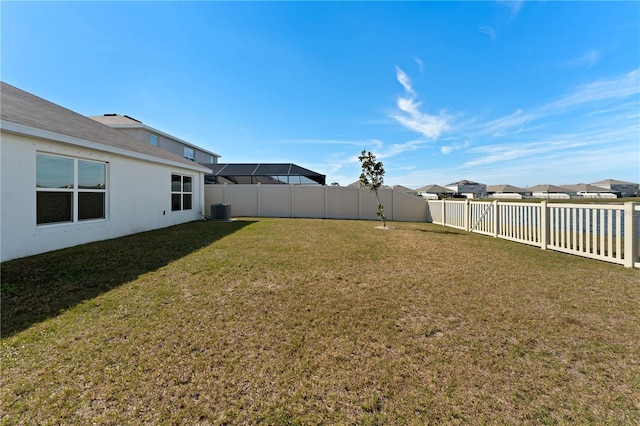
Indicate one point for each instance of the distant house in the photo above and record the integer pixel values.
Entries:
(468, 188)
(508, 192)
(585, 190)
(154, 137)
(67, 179)
(434, 192)
(625, 189)
(547, 191)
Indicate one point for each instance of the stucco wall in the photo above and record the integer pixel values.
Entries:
(138, 198)
(168, 144)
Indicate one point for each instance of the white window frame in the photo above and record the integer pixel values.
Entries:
(75, 191)
(182, 192)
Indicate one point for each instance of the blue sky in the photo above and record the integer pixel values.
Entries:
(523, 93)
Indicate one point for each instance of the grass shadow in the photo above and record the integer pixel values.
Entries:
(39, 287)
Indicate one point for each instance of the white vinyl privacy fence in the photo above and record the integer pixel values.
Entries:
(606, 232)
(311, 201)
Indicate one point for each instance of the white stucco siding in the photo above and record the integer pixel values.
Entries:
(167, 143)
(138, 198)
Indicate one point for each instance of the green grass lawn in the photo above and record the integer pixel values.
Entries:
(294, 321)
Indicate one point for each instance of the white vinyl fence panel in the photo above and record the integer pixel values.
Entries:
(311, 201)
(606, 232)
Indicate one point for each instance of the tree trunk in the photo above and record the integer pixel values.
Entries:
(381, 215)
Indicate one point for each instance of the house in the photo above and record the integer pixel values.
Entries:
(547, 191)
(468, 188)
(66, 179)
(508, 192)
(138, 130)
(434, 192)
(585, 190)
(625, 189)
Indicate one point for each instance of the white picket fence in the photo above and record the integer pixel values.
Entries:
(315, 201)
(606, 232)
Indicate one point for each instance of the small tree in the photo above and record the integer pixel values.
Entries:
(372, 177)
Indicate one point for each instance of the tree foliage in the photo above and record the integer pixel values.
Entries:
(372, 177)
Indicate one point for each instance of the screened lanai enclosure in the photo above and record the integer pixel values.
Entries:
(270, 173)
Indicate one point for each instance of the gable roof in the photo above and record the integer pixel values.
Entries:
(585, 187)
(465, 182)
(21, 112)
(549, 189)
(435, 189)
(506, 189)
(612, 182)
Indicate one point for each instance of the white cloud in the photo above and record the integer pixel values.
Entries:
(588, 59)
(566, 145)
(448, 149)
(588, 133)
(514, 6)
(405, 81)
(618, 88)
(507, 124)
(609, 90)
(488, 30)
(410, 116)
(419, 62)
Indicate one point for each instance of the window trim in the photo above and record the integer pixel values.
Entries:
(189, 153)
(75, 190)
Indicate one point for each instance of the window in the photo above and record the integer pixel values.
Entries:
(212, 159)
(189, 154)
(181, 192)
(153, 140)
(69, 189)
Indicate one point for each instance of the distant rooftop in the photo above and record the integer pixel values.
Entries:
(612, 182)
(434, 189)
(264, 173)
(505, 189)
(585, 187)
(549, 189)
(465, 182)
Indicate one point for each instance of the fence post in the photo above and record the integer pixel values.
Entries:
(258, 196)
(630, 235)
(496, 220)
(224, 193)
(326, 188)
(393, 203)
(544, 225)
(467, 215)
(444, 212)
(292, 208)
